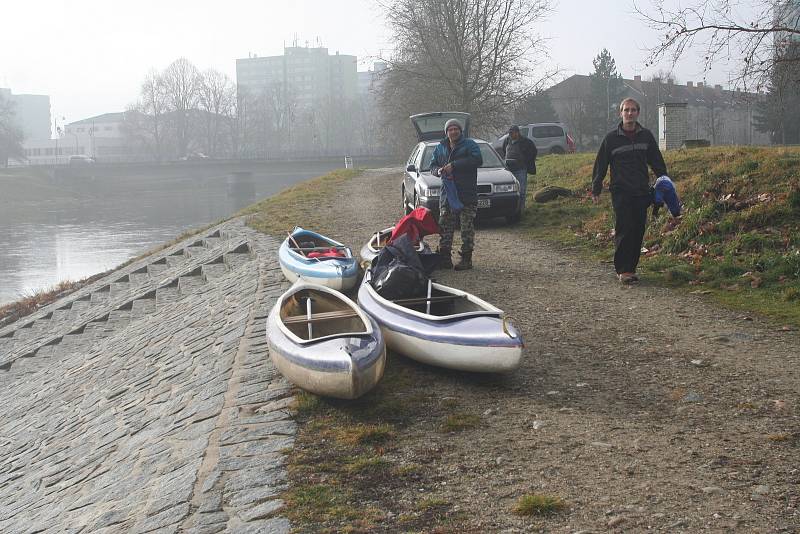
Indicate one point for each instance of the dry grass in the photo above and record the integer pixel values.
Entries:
(538, 504)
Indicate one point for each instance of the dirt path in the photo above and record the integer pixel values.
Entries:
(640, 407)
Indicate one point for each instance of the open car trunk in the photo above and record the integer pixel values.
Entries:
(430, 126)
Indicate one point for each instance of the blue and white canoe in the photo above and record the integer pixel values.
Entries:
(323, 343)
(338, 273)
(448, 328)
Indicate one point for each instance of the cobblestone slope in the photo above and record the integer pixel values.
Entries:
(146, 401)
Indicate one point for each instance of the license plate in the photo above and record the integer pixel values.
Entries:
(484, 202)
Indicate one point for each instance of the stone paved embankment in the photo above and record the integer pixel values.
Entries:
(146, 402)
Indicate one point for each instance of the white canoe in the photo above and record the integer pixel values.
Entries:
(339, 273)
(454, 329)
(378, 240)
(330, 347)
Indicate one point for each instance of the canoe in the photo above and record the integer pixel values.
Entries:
(378, 240)
(322, 342)
(338, 273)
(449, 328)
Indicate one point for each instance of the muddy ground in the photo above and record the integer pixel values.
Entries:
(641, 408)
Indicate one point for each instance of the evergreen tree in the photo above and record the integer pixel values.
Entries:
(779, 113)
(537, 107)
(606, 92)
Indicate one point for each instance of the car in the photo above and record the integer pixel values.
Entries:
(549, 137)
(498, 189)
(191, 156)
(81, 159)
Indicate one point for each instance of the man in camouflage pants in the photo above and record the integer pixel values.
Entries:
(456, 160)
(449, 223)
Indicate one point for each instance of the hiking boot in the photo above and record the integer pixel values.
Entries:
(465, 262)
(628, 278)
(445, 260)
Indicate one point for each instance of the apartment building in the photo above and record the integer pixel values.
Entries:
(32, 113)
(722, 116)
(307, 77)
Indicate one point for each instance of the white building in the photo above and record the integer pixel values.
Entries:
(32, 113)
(310, 77)
(101, 137)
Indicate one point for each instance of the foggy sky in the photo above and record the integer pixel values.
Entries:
(91, 56)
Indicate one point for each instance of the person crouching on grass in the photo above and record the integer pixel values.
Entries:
(628, 149)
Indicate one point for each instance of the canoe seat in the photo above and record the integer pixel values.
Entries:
(423, 300)
(318, 317)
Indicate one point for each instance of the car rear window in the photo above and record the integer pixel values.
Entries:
(548, 131)
(490, 157)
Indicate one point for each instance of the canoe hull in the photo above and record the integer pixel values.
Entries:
(340, 274)
(483, 343)
(344, 367)
(370, 249)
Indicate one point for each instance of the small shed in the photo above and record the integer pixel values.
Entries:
(672, 125)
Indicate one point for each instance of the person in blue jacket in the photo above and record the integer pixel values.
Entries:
(456, 160)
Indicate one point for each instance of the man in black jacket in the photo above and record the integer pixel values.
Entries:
(628, 149)
(523, 151)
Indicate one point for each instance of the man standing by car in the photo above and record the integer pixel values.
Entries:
(457, 158)
(629, 149)
(523, 152)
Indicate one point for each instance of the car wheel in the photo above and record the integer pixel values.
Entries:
(406, 209)
(557, 150)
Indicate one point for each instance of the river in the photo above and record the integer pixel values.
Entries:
(68, 224)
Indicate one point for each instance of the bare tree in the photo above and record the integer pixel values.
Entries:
(216, 98)
(11, 135)
(752, 32)
(146, 120)
(476, 56)
(181, 81)
(263, 120)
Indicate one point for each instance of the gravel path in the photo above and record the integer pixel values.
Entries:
(641, 407)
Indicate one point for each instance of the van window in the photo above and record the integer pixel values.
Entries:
(548, 131)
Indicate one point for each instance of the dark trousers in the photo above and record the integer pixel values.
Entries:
(631, 213)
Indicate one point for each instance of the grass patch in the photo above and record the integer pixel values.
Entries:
(739, 237)
(280, 213)
(368, 465)
(431, 502)
(538, 504)
(460, 421)
(365, 434)
(318, 503)
(306, 403)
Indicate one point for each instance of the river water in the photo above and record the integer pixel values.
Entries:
(69, 224)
